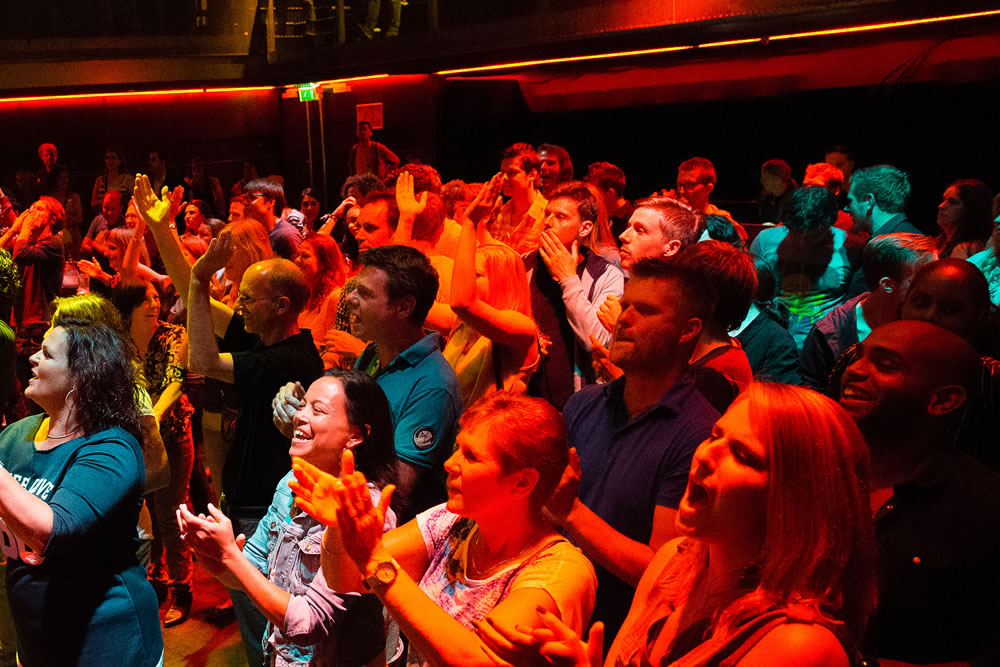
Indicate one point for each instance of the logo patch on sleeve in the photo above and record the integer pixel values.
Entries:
(423, 437)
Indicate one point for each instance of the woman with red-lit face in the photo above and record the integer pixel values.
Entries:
(775, 527)
(965, 219)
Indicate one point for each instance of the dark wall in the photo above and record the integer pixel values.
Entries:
(938, 132)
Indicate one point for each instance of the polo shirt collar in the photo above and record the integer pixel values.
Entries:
(671, 401)
(417, 352)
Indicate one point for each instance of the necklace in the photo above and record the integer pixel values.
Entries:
(496, 566)
(60, 437)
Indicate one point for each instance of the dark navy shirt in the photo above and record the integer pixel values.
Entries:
(631, 465)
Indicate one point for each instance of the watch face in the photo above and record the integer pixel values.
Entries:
(385, 572)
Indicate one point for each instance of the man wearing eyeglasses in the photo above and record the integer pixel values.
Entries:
(695, 182)
(261, 348)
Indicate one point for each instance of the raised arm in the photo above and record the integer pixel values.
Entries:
(507, 327)
(158, 213)
(205, 358)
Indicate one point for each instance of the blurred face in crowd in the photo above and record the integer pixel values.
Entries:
(352, 220)
(235, 211)
(322, 430)
(940, 296)
(373, 226)
(693, 188)
(116, 253)
(155, 163)
(132, 216)
(644, 238)
(548, 175)
(841, 162)
(650, 326)
(364, 131)
(307, 261)
(193, 219)
(563, 219)
(197, 171)
(261, 207)
(515, 179)
(112, 161)
(310, 209)
(249, 171)
(48, 155)
(860, 210)
(950, 211)
(111, 207)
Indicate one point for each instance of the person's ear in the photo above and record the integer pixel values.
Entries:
(709, 187)
(889, 286)
(671, 248)
(946, 399)
(692, 330)
(525, 481)
(405, 306)
(586, 227)
(282, 304)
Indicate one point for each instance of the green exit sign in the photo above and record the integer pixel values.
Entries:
(307, 93)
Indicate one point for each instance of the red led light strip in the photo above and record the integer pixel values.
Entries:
(815, 33)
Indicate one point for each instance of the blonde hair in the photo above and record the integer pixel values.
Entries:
(507, 279)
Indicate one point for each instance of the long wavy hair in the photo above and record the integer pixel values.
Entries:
(976, 220)
(103, 372)
(819, 541)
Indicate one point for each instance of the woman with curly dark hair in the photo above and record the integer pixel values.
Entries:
(162, 348)
(70, 492)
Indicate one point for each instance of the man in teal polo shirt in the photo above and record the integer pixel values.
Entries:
(395, 289)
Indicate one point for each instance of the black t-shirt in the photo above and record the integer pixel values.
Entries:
(258, 458)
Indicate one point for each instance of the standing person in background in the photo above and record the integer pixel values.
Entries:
(521, 219)
(556, 168)
(249, 174)
(371, 157)
(114, 179)
(49, 155)
(776, 184)
(374, 9)
(265, 201)
(610, 181)
(325, 272)
(58, 189)
(199, 185)
(38, 252)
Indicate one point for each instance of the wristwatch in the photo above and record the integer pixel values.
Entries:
(384, 575)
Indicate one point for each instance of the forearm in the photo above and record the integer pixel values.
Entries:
(582, 314)
(625, 558)
(203, 357)
(439, 638)
(170, 395)
(28, 517)
(154, 455)
(463, 275)
(268, 598)
(173, 255)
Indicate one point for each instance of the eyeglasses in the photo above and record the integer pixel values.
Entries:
(243, 299)
(256, 195)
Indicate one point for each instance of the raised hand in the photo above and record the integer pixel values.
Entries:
(609, 311)
(360, 522)
(316, 491)
(487, 201)
(409, 205)
(285, 404)
(561, 501)
(344, 206)
(212, 539)
(219, 252)
(156, 210)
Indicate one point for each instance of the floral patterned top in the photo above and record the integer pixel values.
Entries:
(162, 365)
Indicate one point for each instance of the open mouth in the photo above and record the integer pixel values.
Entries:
(301, 436)
(696, 493)
(852, 393)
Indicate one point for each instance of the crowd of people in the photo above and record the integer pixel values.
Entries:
(512, 422)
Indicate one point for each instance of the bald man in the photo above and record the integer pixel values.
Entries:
(936, 510)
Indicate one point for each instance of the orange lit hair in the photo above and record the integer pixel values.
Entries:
(332, 268)
(251, 237)
(524, 432)
(505, 274)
